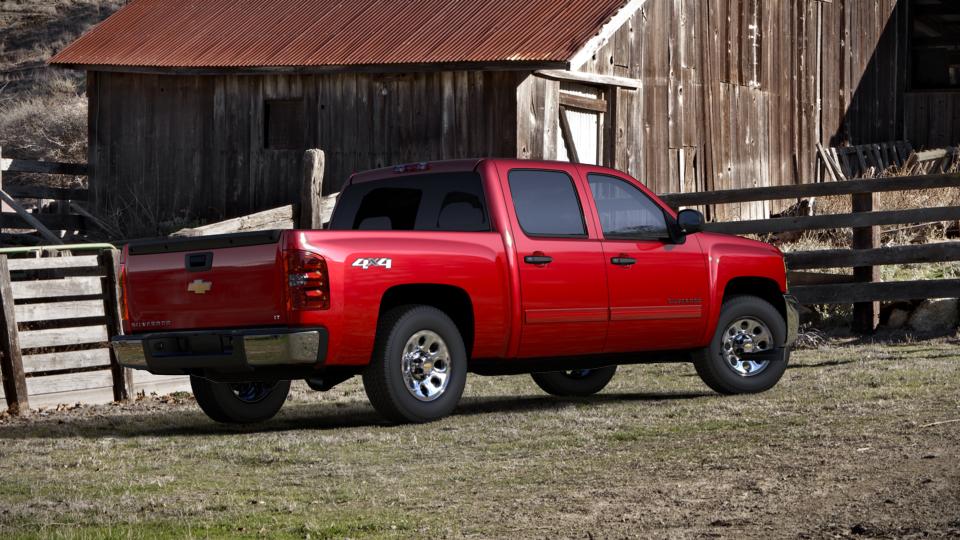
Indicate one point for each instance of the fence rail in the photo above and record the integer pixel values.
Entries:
(55, 324)
(863, 289)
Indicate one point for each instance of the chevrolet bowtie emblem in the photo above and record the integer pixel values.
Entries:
(199, 286)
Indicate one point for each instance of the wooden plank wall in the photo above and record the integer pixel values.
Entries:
(166, 149)
(737, 93)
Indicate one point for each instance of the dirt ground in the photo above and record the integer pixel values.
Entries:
(856, 442)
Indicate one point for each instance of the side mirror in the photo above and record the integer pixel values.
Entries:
(690, 221)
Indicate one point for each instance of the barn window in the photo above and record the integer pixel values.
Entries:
(934, 44)
(284, 124)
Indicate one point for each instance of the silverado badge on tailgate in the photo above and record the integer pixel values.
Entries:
(199, 286)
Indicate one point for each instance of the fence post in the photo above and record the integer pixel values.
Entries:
(110, 263)
(866, 315)
(311, 190)
(11, 361)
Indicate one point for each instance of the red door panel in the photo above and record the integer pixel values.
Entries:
(563, 286)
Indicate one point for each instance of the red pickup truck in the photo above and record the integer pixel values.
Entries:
(432, 270)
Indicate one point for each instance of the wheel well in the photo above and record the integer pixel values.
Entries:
(453, 301)
(764, 288)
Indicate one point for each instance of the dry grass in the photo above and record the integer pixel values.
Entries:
(839, 448)
(43, 110)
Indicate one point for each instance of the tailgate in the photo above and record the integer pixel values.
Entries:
(226, 281)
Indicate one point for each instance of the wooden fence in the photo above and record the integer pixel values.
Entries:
(58, 314)
(863, 288)
(70, 216)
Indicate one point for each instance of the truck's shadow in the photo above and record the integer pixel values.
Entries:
(189, 421)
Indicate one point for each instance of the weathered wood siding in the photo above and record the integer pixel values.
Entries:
(167, 149)
(737, 93)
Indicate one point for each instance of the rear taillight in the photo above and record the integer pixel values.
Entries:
(308, 286)
(124, 307)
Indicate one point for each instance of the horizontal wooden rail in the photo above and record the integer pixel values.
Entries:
(33, 363)
(44, 192)
(56, 222)
(850, 293)
(838, 221)
(47, 263)
(43, 167)
(841, 258)
(55, 288)
(58, 337)
(847, 187)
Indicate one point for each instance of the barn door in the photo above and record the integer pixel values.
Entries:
(583, 116)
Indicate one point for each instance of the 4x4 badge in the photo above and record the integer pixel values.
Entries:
(366, 263)
(199, 286)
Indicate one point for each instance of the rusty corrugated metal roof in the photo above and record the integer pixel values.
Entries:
(303, 33)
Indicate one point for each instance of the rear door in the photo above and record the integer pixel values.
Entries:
(562, 277)
(658, 288)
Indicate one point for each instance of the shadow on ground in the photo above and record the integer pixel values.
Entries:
(189, 421)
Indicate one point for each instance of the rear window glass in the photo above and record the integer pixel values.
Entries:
(423, 202)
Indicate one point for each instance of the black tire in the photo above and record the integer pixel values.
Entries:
(239, 403)
(577, 382)
(720, 375)
(383, 379)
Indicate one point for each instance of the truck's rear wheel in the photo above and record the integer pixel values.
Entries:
(239, 403)
(577, 382)
(747, 353)
(419, 365)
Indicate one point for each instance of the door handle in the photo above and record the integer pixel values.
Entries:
(623, 260)
(538, 258)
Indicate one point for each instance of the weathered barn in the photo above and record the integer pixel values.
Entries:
(203, 109)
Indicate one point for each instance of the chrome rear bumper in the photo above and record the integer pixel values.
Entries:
(220, 350)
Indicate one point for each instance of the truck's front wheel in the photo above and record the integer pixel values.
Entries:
(747, 353)
(419, 365)
(239, 403)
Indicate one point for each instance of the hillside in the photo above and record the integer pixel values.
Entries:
(43, 110)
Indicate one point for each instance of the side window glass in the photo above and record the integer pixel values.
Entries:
(546, 203)
(625, 211)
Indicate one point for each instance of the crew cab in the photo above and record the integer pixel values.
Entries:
(432, 270)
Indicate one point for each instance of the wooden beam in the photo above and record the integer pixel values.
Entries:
(866, 315)
(838, 221)
(851, 293)
(845, 258)
(275, 218)
(590, 78)
(311, 190)
(11, 361)
(95, 220)
(43, 192)
(817, 278)
(52, 222)
(823, 189)
(567, 135)
(110, 262)
(571, 101)
(29, 219)
(43, 167)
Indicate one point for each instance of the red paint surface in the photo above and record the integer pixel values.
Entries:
(578, 304)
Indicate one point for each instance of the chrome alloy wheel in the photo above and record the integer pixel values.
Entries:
(746, 336)
(426, 365)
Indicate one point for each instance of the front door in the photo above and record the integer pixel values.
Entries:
(562, 277)
(658, 289)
